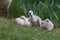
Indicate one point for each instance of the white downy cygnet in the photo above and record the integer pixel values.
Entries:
(19, 21)
(47, 24)
(33, 18)
(26, 20)
(23, 21)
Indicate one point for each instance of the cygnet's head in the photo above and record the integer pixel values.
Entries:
(23, 17)
(42, 22)
(47, 20)
(30, 13)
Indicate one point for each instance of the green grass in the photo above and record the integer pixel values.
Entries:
(9, 30)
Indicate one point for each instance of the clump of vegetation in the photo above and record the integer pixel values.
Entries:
(43, 8)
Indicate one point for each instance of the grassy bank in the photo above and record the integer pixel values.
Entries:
(9, 30)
